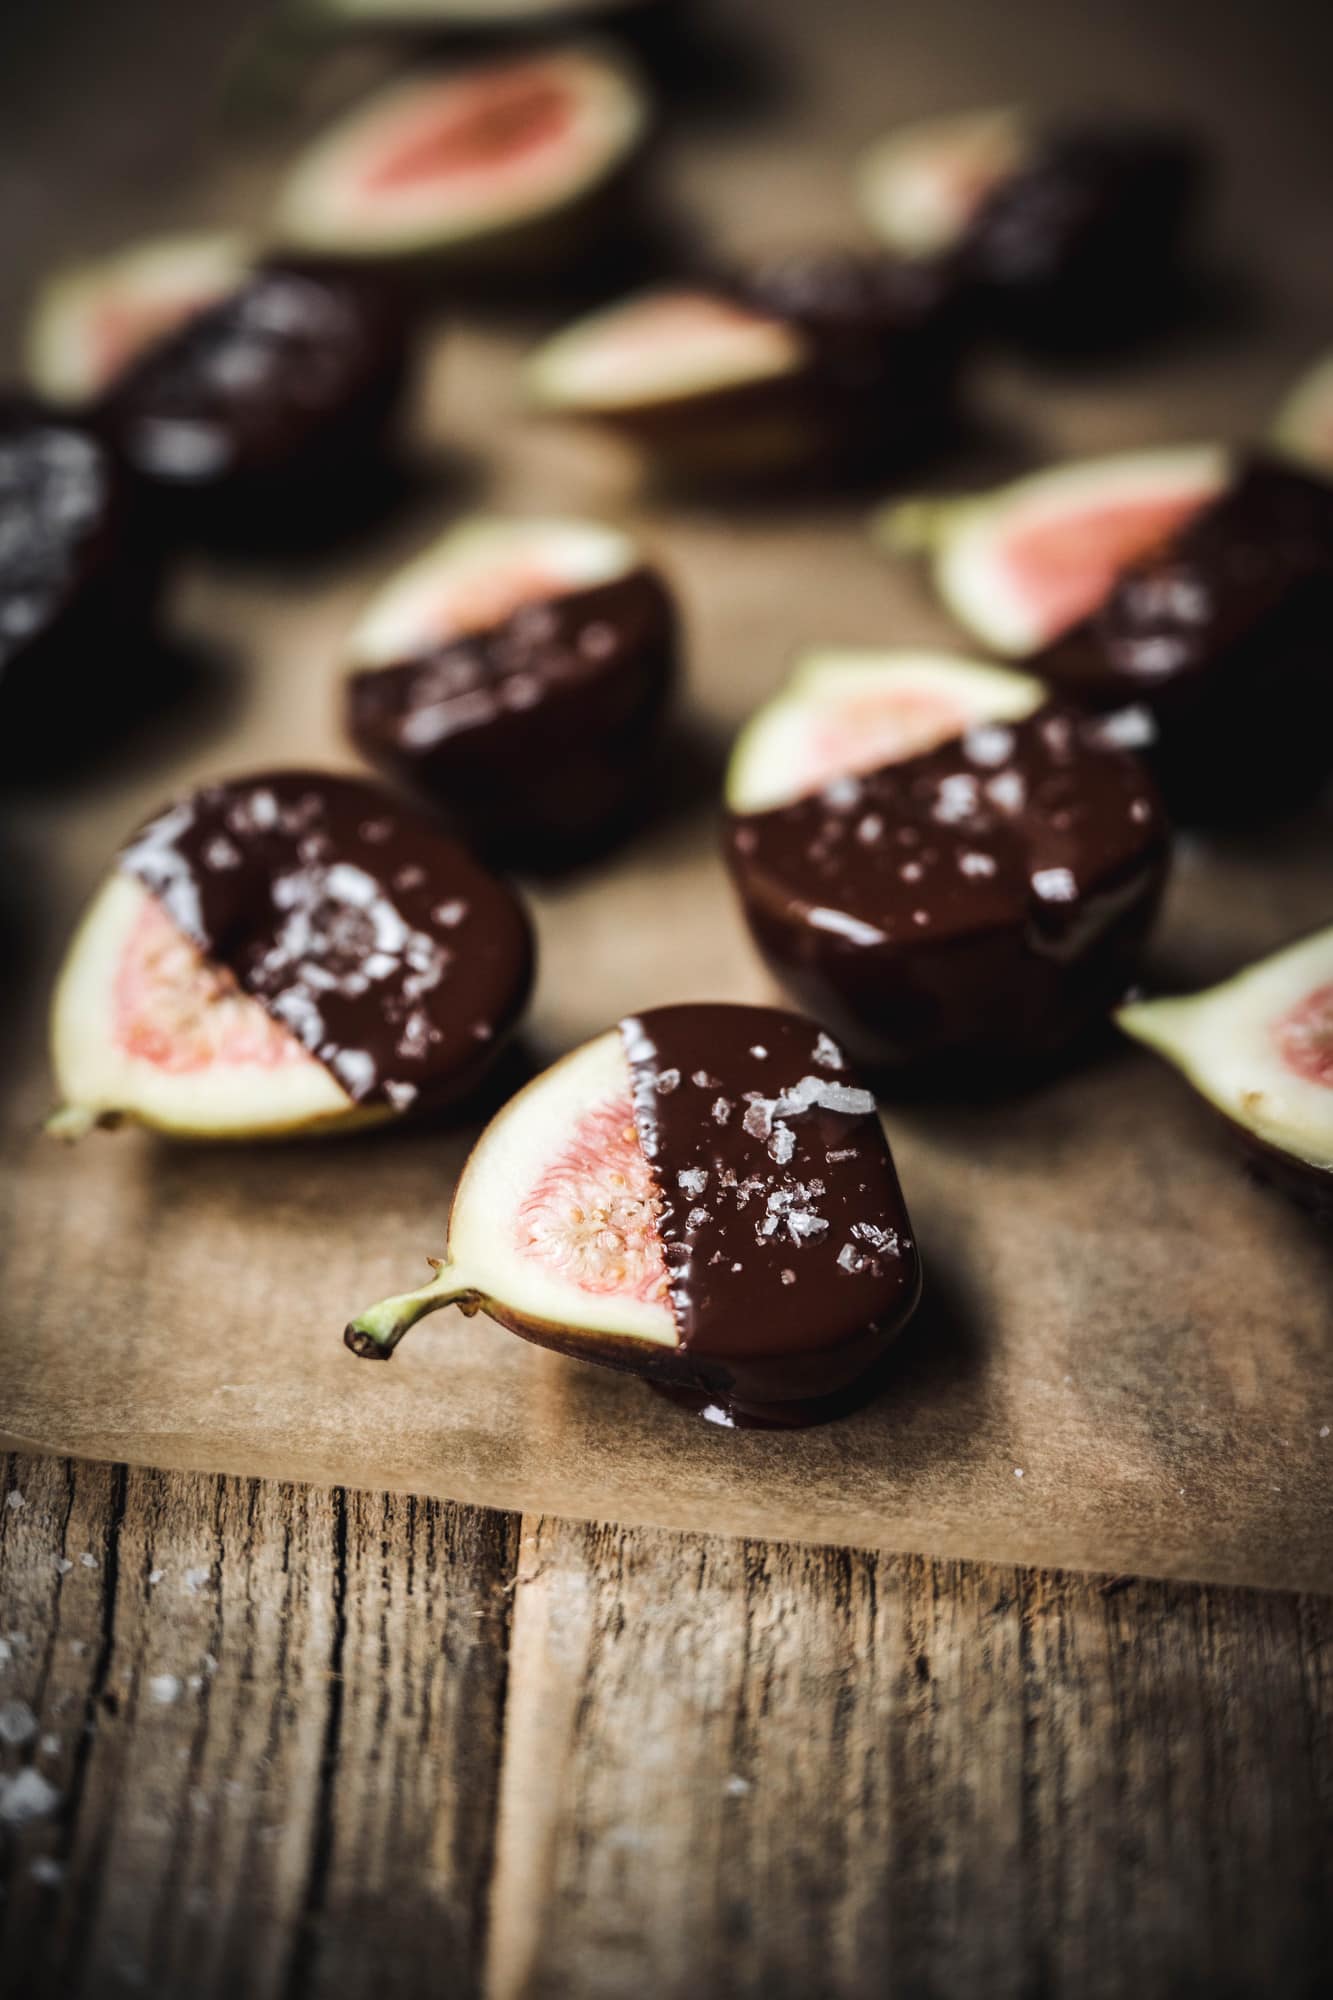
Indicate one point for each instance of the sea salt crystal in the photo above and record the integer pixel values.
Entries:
(827, 1053)
(869, 829)
(195, 1579)
(451, 913)
(156, 1575)
(697, 1218)
(759, 1052)
(956, 799)
(46, 1871)
(692, 1180)
(851, 1259)
(18, 1724)
(877, 1237)
(63, 1565)
(988, 745)
(668, 1081)
(26, 1796)
(1018, 1472)
(704, 1080)
(840, 1153)
(1007, 791)
(804, 1225)
(758, 1119)
(788, 1277)
(14, 1500)
(1055, 885)
(911, 871)
(782, 1143)
(164, 1688)
(88, 1559)
(972, 863)
(721, 1110)
(845, 1097)
(841, 792)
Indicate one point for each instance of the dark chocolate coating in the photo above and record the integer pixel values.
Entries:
(256, 403)
(1309, 1186)
(1226, 634)
(1077, 246)
(387, 950)
(533, 736)
(77, 580)
(968, 912)
(791, 1258)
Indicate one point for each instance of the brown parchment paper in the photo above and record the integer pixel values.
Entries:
(1125, 1358)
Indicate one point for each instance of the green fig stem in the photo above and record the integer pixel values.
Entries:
(374, 1334)
(70, 1121)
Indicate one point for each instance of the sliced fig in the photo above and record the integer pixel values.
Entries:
(704, 1196)
(827, 356)
(464, 160)
(1259, 1048)
(845, 711)
(1024, 563)
(923, 186)
(1303, 429)
(91, 321)
(288, 952)
(1225, 632)
(517, 673)
(962, 915)
(266, 412)
(78, 576)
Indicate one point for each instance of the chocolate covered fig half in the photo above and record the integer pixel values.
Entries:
(493, 160)
(972, 902)
(702, 1195)
(90, 321)
(288, 952)
(517, 674)
(1259, 1049)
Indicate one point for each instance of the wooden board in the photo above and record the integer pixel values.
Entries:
(1124, 1361)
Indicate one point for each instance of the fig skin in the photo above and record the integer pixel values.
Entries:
(545, 786)
(978, 1004)
(291, 454)
(1225, 635)
(88, 659)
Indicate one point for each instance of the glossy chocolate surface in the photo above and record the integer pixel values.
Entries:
(536, 730)
(787, 1241)
(979, 904)
(390, 954)
(287, 375)
(1078, 243)
(1226, 633)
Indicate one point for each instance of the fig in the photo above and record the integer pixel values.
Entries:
(1020, 565)
(1224, 632)
(1259, 1049)
(846, 710)
(288, 952)
(91, 321)
(703, 1196)
(1065, 236)
(963, 915)
(467, 162)
(517, 674)
(828, 356)
(265, 413)
(78, 578)
(1303, 429)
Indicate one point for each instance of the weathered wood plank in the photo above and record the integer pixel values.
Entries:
(269, 1718)
(739, 1769)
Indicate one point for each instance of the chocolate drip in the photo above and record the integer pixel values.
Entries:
(787, 1242)
(985, 898)
(384, 948)
(536, 728)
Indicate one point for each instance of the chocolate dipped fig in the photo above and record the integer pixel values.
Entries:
(1066, 236)
(830, 358)
(510, 160)
(703, 1196)
(1303, 427)
(90, 321)
(1259, 1049)
(963, 913)
(289, 952)
(1021, 564)
(1225, 632)
(517, 674)
(78, 578)
(265, 414)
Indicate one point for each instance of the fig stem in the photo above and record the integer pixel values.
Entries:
(375, 1333)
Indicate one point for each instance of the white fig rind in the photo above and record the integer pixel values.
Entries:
(102, 1082)
(170, 276)
(325, 204)
(766, 765)
(968, 539)
(658, 348)
(1222, 1041)
(474, 575)
(921, 185)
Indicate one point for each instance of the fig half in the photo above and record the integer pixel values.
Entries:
(1303, 428)
(517, 673)
(289, 952)
(1021, 564)
(1259, 1049)
(704, 1196)
(972, 905)
(923, 186)
(92, 320)
(468, 160)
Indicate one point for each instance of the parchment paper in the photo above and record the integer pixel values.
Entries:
(1125, 1359)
